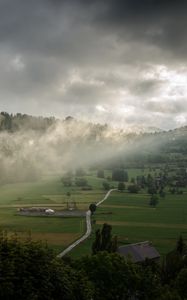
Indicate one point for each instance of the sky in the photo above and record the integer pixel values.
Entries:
(123, 62)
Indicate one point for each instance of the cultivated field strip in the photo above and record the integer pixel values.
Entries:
(140, 224)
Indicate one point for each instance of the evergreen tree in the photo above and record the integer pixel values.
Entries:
(121, 186)
(181, 246)
(104, 240)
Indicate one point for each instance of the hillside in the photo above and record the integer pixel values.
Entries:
(34, 146)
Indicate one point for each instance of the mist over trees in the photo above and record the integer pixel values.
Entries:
(32, 146)
(15, 122)
(119, 175)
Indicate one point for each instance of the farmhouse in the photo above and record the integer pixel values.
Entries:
(139, 252)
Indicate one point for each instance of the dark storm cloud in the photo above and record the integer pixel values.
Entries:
(108, 57)
(53, 26)
(159, 22)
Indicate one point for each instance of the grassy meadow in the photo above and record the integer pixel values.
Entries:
(130, 215)
(133, 220)
(47, 192)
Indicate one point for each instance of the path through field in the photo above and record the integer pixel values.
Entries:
(88, 230)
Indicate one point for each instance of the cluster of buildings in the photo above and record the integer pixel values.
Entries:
(44, 210)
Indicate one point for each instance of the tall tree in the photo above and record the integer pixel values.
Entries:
(96, 246)
(106, 237)
(181, 247)
(104, 240)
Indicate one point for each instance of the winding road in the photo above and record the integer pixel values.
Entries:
(88, 226)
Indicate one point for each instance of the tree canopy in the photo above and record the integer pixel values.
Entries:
(29, 270)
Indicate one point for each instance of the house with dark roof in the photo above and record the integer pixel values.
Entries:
(139, 252)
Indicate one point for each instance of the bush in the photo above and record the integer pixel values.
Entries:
(121, 186)
(81, 182)
(154, 200)
(133, 188)
(106, 185)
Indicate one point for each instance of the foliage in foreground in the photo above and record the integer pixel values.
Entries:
(30, 270)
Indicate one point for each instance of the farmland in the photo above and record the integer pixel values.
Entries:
(131, 216)
(134, 220)
(48, 192)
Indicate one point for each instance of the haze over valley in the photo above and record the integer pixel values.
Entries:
(93, 150)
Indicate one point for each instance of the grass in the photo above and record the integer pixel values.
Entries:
(49, 191)
(130, 215)
(133, 220)
(9, 220)
(58, 232)
(29, 191)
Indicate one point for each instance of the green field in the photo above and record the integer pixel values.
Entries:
(130, 215)
(133, 220)
(47, 192)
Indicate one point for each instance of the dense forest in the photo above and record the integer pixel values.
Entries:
(14, 122)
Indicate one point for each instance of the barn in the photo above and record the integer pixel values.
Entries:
(139, 252)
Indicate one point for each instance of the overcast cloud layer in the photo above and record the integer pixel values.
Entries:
(117, 61)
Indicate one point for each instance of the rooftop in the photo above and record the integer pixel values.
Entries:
(139, 252)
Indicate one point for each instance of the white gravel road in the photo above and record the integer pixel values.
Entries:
(88, 226)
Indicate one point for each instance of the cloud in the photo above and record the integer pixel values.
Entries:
(71, 57)
(156, 22)
(167, 106)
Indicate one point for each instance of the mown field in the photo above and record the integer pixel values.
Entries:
(48, 192)
(133, 220)
(130, 215)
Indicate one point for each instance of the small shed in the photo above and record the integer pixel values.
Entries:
(139, 252)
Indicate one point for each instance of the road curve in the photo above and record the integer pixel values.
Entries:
(88, 228)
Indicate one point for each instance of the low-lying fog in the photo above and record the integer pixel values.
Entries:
(26, 154)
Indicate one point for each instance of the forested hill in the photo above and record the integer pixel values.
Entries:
(63, 135)
(18, 121)
(14, 122)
